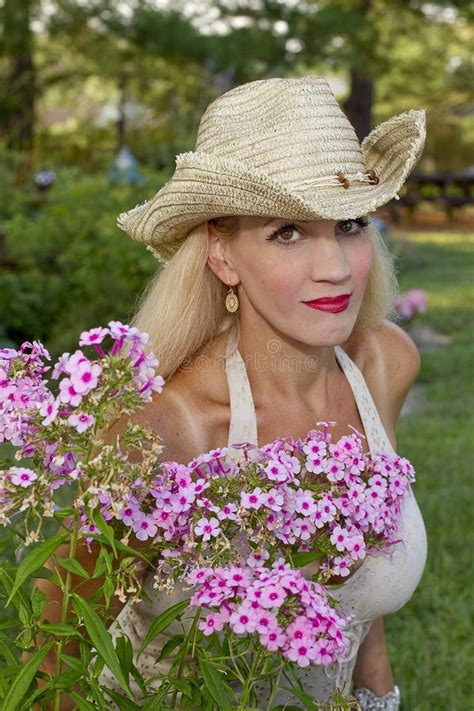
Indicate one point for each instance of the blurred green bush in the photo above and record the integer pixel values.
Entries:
(64, 265)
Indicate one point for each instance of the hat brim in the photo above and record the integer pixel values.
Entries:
(204, 186)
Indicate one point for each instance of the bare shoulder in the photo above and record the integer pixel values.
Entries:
(392, 363)
(190, 407)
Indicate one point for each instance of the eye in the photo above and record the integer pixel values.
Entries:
(286, 231)
(359, 222)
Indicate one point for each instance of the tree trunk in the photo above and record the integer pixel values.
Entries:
(18, 112)
(358, 106)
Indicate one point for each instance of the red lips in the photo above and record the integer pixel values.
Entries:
(334, 305)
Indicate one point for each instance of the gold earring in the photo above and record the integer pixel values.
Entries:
(231, 300)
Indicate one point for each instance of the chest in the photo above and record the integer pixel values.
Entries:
(201, 423)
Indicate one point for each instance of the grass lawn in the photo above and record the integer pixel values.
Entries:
(431, 639)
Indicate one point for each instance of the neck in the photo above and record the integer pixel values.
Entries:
(287, 368)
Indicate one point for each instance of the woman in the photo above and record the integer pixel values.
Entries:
(271, 315)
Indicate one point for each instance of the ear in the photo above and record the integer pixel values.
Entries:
(219, 258)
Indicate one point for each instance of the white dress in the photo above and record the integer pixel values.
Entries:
(380, 586)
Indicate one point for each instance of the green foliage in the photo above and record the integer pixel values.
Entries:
(67, 266)
(434, 631)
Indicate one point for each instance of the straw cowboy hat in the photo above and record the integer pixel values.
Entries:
(278, 148)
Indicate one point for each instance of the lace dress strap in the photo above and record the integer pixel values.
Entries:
(243, 418)
(377, 437)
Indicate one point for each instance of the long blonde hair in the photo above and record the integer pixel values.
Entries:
(183, 306)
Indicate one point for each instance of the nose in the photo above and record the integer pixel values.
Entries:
(328, 258)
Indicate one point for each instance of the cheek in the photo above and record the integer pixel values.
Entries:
(361, 260)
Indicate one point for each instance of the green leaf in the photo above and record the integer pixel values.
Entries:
(300, 559)
(81, 703)
(23, 680)
(60, 630)
(73, 566)
(101, 640)
(38, 602)
(169, 646)
(103, 564)
(305, 699)
(73, 662)
(21, 601)
(34, 559)
(124, 650)
(105, 529)
(214, 683)
(5, 648)
(123, 703)
(162, 622)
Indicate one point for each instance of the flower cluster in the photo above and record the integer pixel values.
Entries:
(288, 613)
(410, 303)
(297, 496)
(54, 422)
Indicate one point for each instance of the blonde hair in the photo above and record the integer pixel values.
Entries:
(183, 306)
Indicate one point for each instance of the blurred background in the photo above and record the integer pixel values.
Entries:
(96, 99)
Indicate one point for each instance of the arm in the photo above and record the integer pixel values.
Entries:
(372, 669)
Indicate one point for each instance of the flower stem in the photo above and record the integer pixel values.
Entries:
(249, 681)
(66, 590)
(184, 654)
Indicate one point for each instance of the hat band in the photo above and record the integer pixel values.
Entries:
(370, 176)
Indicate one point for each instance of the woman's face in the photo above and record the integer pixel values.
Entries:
(279, 264)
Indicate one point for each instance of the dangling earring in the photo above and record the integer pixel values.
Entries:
(231, 300)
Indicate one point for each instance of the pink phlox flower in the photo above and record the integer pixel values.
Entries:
(276, 471)
(315, 448)
(339, 537)
(327, 509)
(144, 528)
(356, 465)
(49, 410)
(237, 577)
(81, 421)
(197, 487)
(305, 503)
(21, 476)
(272, 596)
(356, 546)
(405, 467)
(255, 559)
(301, 652)
(228, 511)
(118, 330)
(342, 565)
(93, 336)
(274, 499)
(265, 622)
(68, 393)
(334, 470)
(75, 360)
(253, 499)
(130, 513)
(356, 494)
(199, 576)
(206, 528)
(182, 501)
(323, 652)
(60, 366)
(243, 620)
(214, 622)
(85, 376)
(303, 528)
(350, 445)
(273, 640)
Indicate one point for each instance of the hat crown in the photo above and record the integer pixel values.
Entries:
(287, 127)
